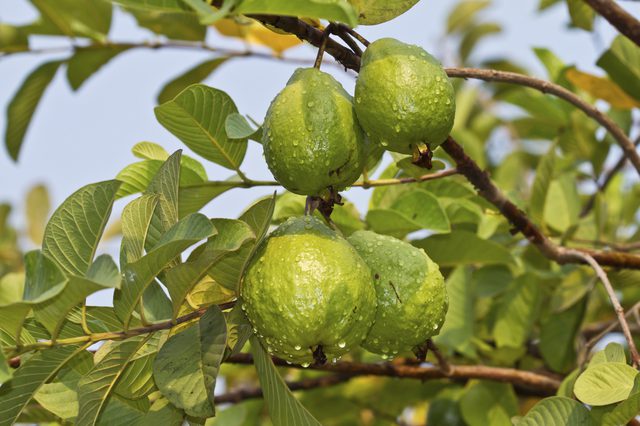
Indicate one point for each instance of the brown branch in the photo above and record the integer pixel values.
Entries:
(596, 334)
(239, 395)
(543, 86)
(622, 20)
(635, 356)
(481, 181)
(540, 384)
(608, 177)
(387, 182)
(442, 361)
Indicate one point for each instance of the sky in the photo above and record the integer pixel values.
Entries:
(81, 137)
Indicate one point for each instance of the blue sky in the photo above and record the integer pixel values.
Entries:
(81, 137)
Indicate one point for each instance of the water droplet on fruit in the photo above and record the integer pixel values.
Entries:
(342, 345)
(297, 347)
(305, 364)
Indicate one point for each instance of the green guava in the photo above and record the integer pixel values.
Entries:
(311, 137)
(412, 298)
(307, 287)
(404, 98)
(372, 12)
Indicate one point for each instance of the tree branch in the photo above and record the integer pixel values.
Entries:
(481, 181)
(622, 20)
(543, 86)
(635, 356)
(541, 384)
(239, 395)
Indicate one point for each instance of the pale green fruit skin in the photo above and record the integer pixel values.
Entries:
(307, 286)
(403, 96)
(412, 297)
(372, 12)
(311, 137)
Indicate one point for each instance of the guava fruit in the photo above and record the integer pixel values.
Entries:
(307, 292)
(372, 12)
(311, 137)
(403, 97)
(411, 294)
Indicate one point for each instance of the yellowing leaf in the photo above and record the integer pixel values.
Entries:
(601, 88)
(256, 33)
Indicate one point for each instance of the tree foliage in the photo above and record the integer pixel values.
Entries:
(541, 188)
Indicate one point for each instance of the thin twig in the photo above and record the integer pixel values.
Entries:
(618, 17)
(544, 86)
(624, 325)
(608, 329)
(442, 361)
(112, 335)
(608, 177)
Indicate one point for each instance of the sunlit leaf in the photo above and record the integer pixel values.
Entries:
(605, 383)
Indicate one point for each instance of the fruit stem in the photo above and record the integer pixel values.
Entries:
(422, 155)
(325, 37)
(354, 34)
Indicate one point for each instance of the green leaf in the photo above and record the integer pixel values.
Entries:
(73, 19)
(623, 412)
(174, 25)
(5, 372)
(557, 411)
(557, 344)
(13, 38)
(582, 15)
(150, 151)
(35, 372)
(196, 116)
(517, 311)
(551, 62)
(613, 352)
(87, 61)
(165, 185)
(337, 10)
(52, 312)
(488, 403)
(43, 278)
(180, 280)
(464, 14)
(237, 127)
(141, 273)
(136, 218)
(136, 381)
(24, 104)
(162, 412)
(74, 230)
(37, 211)
(413, 210)
(562, 205)
(284, 408)
(463, 248)
(622, 63)
(458, 328)
(123, 412)
(136, 177)
(187, 365)
(192, 76)
(605, 383)
(96, 387)
(194, 197)
(544, 176)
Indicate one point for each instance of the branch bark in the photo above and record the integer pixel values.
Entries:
(628, 147)
(540, 384)
(622, 20)
(481, 181)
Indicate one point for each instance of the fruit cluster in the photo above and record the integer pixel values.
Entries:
(313, 133)
(309, 293)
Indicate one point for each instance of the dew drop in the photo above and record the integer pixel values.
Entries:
(297, 347)
(342, 345)
(305, 364)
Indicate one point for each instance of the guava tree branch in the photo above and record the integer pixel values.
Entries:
(624, 325)
(530, 381)
(239, 395)
(595, 335)
(628, 147)
(481, 181)
(622, 20)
